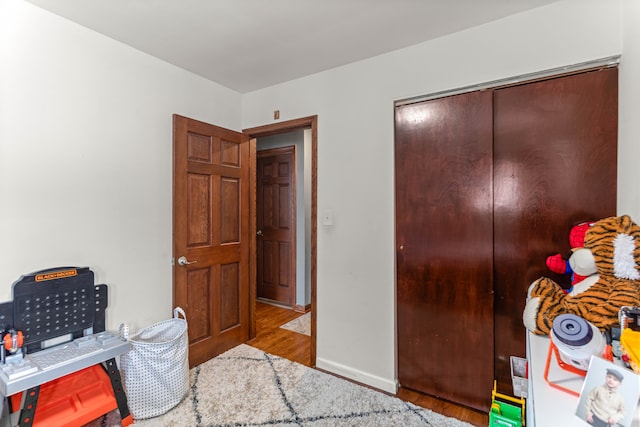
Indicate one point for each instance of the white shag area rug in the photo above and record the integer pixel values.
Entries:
(301, 324)
(248, 387)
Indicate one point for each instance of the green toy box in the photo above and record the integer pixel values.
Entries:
(506, 411)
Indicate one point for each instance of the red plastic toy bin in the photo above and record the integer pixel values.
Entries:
(73, 400)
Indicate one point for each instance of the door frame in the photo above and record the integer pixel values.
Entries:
(310, 122)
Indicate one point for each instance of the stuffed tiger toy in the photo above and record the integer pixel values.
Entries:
(615, 245)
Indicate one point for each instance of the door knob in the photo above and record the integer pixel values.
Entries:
(184, 261)
(259, 233)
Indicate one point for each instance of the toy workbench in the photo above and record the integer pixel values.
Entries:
(57, 362)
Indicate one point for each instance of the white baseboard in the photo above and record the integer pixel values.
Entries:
(390, 386)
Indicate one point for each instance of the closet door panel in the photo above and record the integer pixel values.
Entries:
(444, 235)
(555, 151)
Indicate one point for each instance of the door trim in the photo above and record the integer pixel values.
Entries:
(310, 122)
(602, 63)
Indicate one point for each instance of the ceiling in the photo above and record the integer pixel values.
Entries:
(247, 45)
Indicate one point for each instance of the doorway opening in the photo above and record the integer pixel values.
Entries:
(281, 216)
(303, 133)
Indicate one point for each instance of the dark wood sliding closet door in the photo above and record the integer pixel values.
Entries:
(556, 164)
(444, 235)
(488, 185)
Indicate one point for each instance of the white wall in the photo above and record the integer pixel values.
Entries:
(86, 157)
(354, 104)
(85, 154)
(629, 113)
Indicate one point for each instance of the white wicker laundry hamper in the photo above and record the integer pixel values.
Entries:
(156, 369)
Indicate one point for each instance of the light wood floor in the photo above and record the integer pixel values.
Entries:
(294, 346)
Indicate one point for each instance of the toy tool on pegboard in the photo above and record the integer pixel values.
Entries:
(12, 345)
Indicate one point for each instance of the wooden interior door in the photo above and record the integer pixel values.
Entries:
(555, 145)
(211, 232)
(276, 225)
(444, 229)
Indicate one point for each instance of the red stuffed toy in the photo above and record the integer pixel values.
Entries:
(560, 265)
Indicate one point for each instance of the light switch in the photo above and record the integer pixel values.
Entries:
(327, 217)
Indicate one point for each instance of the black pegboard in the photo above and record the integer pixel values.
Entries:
(6, 315)
(101, 302)
(55, 302)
